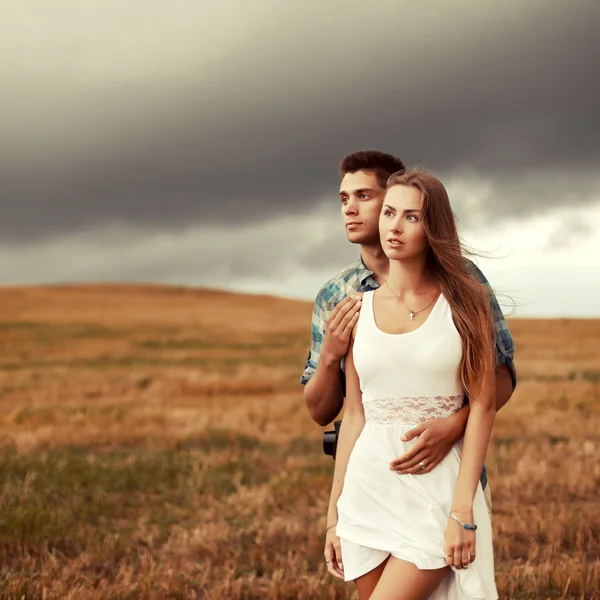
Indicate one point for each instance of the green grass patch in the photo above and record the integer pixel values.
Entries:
(275, 342)
(175, 344)
(48, 332)
(592, 376)
(47, 414)
(103, 362)
(70, 500)
(221, 439)
(62, 499)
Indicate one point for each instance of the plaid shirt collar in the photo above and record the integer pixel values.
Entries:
(364, 275)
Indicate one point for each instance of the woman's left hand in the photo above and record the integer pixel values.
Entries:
(459, 543)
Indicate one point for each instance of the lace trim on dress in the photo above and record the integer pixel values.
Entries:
(410, 410)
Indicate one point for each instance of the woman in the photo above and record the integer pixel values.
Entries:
(422, 340)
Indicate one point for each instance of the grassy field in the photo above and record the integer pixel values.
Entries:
(154, 444)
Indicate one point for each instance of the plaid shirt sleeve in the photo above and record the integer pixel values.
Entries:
(505, 347)
(317, 333)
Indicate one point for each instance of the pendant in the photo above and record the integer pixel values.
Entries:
(412, 315)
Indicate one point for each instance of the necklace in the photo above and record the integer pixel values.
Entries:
(411, 313)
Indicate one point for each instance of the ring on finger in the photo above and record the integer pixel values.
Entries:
(422, 465)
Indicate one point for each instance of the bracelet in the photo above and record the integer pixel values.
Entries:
(465, 525)
(330, 526)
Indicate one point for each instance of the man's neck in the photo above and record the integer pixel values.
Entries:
(375, 260)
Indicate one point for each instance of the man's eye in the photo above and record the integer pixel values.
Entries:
(364, 196)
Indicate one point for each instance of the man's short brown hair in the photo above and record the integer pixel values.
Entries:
(381, 163)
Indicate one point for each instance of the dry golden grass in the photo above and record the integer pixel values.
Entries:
(154, 444)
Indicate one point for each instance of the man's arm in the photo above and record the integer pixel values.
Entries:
(330, 342)
(504, 390)
(437, 436)
(506, 374)
(505, 385)
(323, 392)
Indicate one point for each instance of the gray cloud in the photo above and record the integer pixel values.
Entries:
(159, 118)
(573, 228)
(295, 256)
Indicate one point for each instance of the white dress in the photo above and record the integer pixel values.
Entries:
(406, 379)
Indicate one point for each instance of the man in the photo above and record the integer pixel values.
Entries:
(364, 176)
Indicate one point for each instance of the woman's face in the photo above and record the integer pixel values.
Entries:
(401, 227)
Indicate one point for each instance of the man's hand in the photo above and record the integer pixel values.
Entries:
(333, 554)
(338, 328)
(435, 440)
(323, 393)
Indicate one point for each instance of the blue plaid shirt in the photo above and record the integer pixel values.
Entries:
(357, 278)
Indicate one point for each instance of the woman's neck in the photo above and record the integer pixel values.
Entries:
(410, 276)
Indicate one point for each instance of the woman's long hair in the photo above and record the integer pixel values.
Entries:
(467, 297)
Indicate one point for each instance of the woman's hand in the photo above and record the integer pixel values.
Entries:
(333, 554)
(459, 542)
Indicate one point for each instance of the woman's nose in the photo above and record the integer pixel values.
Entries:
(396, 227)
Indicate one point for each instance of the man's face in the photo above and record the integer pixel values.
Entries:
(361, 197)
(401, 223)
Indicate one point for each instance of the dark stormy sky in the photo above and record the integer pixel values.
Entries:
(198, 142)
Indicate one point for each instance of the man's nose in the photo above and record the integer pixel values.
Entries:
(351, 207)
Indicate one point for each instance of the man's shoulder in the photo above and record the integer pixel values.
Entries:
(475, 271)
(340, 286)
(471, 266)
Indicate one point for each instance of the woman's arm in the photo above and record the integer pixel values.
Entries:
(460, 542)
(477, 437)
(352, 425)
